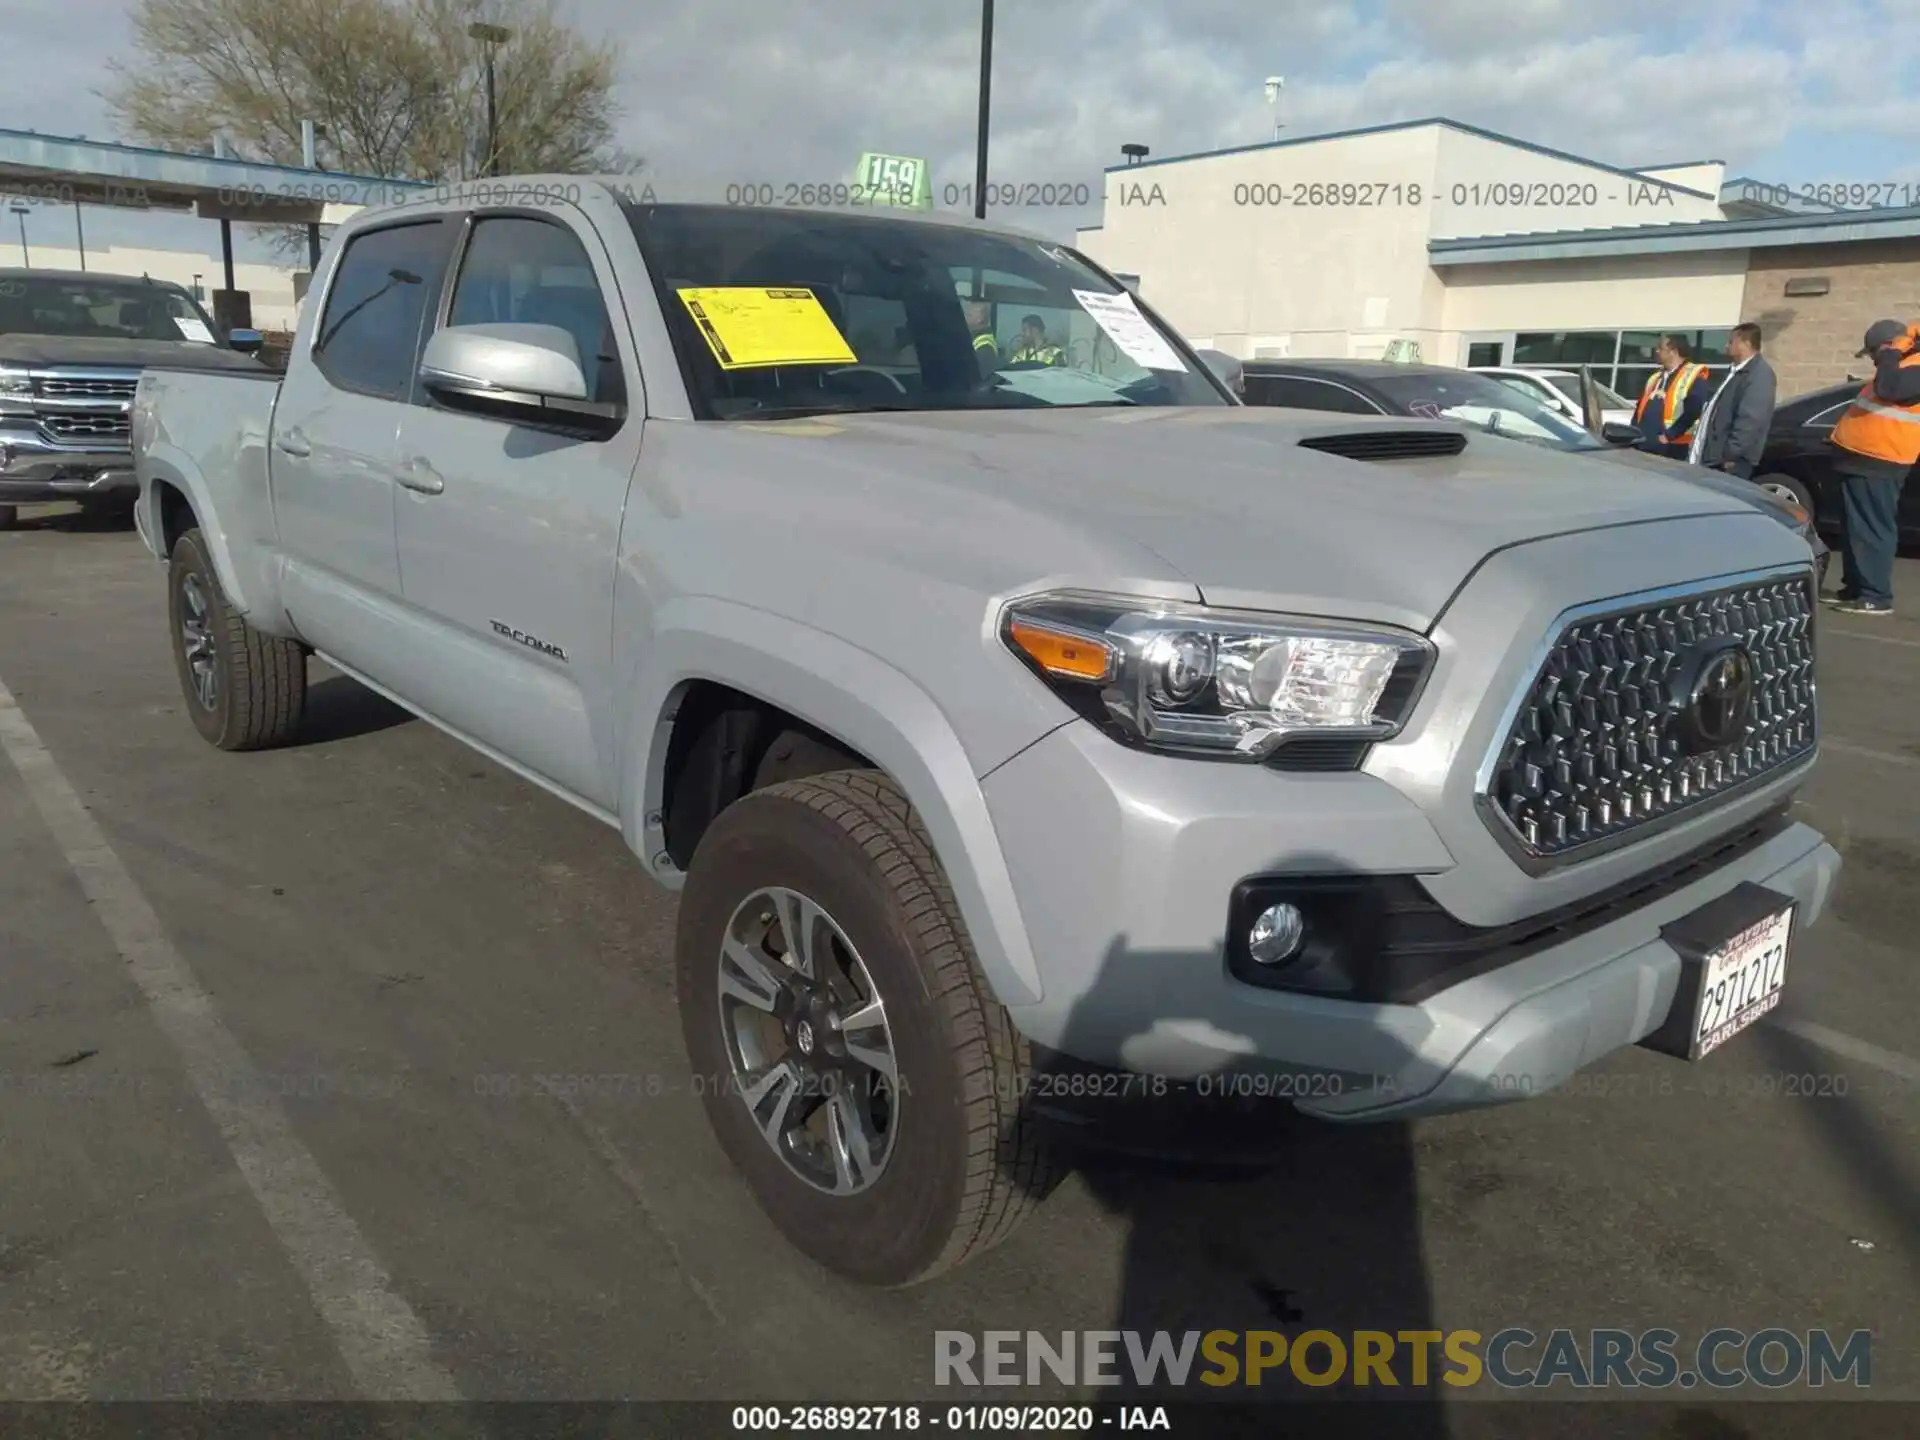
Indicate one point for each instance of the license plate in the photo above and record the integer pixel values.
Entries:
(1733, 969)
(1741, 981)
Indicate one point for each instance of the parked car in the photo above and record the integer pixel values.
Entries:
(1798, 461)
(1561, 390)
(72, 344)
(1375, 387)
(994, 723)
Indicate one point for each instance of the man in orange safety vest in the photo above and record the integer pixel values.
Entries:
(1671, 401)
(1878, 443)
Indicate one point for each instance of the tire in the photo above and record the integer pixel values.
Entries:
(962, 1164)
(258, 682)
(1788, 488)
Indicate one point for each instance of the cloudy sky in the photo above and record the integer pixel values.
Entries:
(794, 90)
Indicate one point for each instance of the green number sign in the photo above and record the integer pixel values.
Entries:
(894, 180)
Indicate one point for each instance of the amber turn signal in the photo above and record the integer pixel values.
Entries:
(1060, 652)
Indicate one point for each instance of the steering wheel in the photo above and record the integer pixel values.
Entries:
(893, 380)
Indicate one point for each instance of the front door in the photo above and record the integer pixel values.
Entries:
(336, 429)
(507, 551)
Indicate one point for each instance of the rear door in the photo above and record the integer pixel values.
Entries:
(336, 431)
(507, 555)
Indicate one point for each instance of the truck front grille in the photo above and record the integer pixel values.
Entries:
(87, 387)
(1609, 737)
(81, 425)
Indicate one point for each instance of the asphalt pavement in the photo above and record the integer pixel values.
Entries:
(353, 1069)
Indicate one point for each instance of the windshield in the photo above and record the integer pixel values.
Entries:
(102, 308)
(778, 313)
(1496, 407)
(1569, 386)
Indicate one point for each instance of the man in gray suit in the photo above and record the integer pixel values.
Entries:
(1732, 433)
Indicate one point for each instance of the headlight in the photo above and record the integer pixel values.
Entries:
(16, 386)
(1216, 682)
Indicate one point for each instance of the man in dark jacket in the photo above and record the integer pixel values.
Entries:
(1732, 431)
(1878, 443)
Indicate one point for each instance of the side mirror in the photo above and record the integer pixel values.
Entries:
(510, 367)
(247, 342)
(1227, 370)
(1614, 433)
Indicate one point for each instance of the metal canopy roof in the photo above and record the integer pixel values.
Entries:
(64, 170)
(1841, 227)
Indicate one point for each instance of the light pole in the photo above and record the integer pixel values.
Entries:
(490, 36)
(19, 207)
(80, 234)
(986, 95)
(1275, 84)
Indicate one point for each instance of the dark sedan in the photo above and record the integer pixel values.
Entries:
(1799, 459)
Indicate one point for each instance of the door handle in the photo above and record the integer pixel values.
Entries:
(417, 475)
(294, 442)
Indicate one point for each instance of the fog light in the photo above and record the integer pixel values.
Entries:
(1276, 934)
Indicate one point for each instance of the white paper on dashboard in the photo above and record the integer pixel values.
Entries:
(1128, 328)
(193, 329)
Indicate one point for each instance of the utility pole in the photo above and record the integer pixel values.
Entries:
(986, 96)
(19, 207)
(80, 234)
(490, 36)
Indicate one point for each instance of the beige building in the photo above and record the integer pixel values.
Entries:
(1486, 250)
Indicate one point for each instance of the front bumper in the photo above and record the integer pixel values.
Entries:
(1127, 916)
(34, 469)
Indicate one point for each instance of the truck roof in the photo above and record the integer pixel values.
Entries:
(671, 194)
(42, 272)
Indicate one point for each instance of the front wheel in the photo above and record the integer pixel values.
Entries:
(852, 1061)
(245, 690)
(1785, 487)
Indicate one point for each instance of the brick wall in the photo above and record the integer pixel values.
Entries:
(1810, 339)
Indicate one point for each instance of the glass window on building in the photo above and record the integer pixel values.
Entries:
(1485, 352)
(1564, 347)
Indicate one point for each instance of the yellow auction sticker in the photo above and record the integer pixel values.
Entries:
(747, 326)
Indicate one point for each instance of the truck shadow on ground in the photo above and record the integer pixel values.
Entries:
(1243, 1214)
(341, 708)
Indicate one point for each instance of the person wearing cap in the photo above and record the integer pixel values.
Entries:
(1879, 442)
(1671, 401)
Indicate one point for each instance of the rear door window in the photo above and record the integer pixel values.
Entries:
(387, 282)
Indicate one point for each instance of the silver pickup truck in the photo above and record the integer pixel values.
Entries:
(72, 344)
(1003, 721)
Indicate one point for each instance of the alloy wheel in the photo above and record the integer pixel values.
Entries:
(806, 1034)
(196, 640)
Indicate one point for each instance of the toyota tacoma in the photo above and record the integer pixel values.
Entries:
(990, 716)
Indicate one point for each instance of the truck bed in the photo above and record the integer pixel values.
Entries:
(205, 435)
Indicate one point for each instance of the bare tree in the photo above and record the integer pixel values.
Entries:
(396, 86)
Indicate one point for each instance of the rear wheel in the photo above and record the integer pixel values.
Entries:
(244, 690)
(851, 1059)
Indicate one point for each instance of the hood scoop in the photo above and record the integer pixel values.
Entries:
(1389, 443)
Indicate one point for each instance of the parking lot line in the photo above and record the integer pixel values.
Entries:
(1891, 1061)
(1847, 747)
(1876, 639)
(385, 1346)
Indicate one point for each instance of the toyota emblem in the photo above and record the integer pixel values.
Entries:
(1720, 703)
